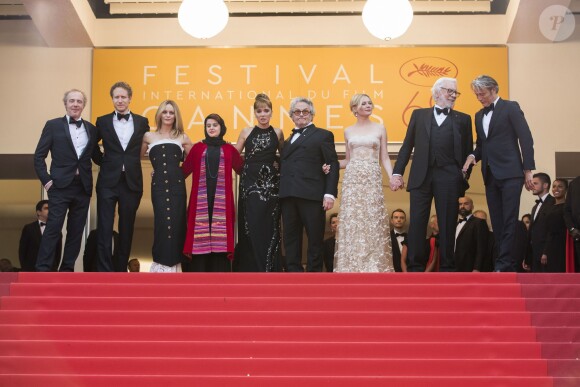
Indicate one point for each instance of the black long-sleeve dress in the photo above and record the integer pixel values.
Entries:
(258, 246)
(555, 247)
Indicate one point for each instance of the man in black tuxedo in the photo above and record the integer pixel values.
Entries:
(330, 244)
(71, 142)
(398, 237)
(471, 241)
(442, 139)
(572, 218)
(506, 148)
(305, 191)
(31, 237)
(539, 228)
(120, 180)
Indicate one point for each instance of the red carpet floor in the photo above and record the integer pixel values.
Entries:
(408, 330)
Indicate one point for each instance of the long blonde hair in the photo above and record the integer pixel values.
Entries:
(177, 129)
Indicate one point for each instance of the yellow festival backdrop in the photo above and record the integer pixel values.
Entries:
(226, 81)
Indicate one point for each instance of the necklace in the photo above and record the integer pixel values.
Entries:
(208, 167)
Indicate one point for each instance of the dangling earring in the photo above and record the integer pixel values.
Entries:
(355, 114)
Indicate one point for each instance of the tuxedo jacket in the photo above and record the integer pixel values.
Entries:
(418, 137)
(301, 163)
(56, 139)
(114, 157)
(539, 228)
(29, 244)
(572, 208)
(328, 253)
(472, 247)
(396, 252)
(500, 149)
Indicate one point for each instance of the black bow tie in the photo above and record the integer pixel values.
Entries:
(444, 110)
(298, 130)
(538, 201)
(398, 234)
(125, 116)
(42, 224)
(488, 109)
(72, 121)
(461, 220)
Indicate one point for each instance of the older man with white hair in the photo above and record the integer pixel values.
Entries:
(442, 140)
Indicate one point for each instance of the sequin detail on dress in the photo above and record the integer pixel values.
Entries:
(364, 242)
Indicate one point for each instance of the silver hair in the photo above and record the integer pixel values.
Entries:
(485, 82)
(66, 93)
(301, 99)
(437, 85)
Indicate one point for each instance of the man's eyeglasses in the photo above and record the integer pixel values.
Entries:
(304, 112)
(451, 92)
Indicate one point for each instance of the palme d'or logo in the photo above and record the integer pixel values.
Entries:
(423, 71)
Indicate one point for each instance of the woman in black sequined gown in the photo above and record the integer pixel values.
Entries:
(258, 248)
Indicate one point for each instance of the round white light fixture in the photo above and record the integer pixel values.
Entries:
(203, 19)
(387, 19)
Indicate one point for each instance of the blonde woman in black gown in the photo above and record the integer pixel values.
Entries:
(258, 246)
(167, 147)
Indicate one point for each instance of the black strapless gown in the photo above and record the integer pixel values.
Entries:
(168, 196)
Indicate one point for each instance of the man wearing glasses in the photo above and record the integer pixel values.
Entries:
(306, 193)
(506, 148)
(442, 139)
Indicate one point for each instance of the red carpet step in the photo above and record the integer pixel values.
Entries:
(323, 329)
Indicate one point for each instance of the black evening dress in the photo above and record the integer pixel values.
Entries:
(168, 196)
(258, 246)
(555, 247)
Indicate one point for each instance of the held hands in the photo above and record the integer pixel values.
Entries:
(575, 234)
(397, 183)
(544, 259)
(528, 177)
(468, 163)
(327, 203)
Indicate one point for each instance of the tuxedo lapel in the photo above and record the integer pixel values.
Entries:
(37, 232)
(428, 119)
(308, 133)
(479, 125)
(497, 110)
(110, 127)
(467, 225)
(136, 127)
(67, 135)
(456, 136)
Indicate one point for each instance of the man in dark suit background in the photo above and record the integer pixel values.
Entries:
(120, 181)
(506, 150)
(31, 237)
(91, 253)
(330, 244)
(305, 191)
(398, 237)
(539, 228)
(572, 218)
(471, 241)
(71, 142)
(442, 139)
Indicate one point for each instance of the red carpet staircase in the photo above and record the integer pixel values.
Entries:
(117, 329)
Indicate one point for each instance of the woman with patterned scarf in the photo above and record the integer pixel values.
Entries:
(209, 240)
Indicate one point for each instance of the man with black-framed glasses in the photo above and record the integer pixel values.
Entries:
(441, 138)
(306, 192)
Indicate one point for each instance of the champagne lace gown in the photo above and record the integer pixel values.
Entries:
(363, 242)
